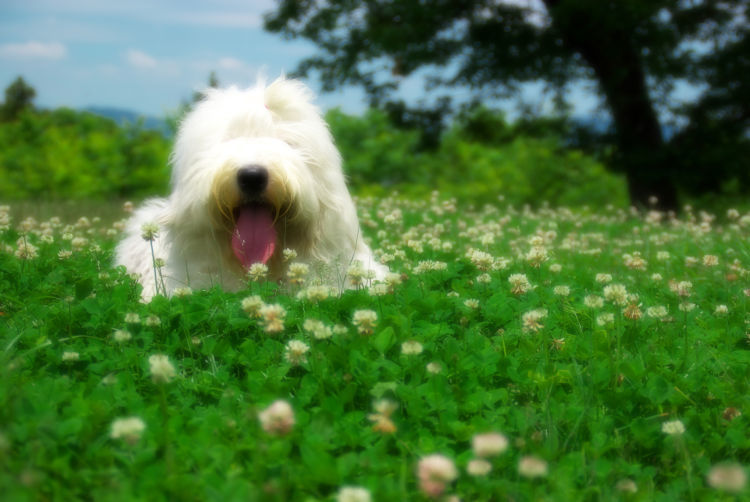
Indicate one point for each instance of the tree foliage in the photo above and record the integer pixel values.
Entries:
(19, 96)
(69, 154)
(635, 52)
(479, 158)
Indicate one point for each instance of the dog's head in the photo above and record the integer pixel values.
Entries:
(254, 170)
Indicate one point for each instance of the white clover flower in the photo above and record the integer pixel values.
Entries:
(318, 329)
(435, 472)
(379, 289)
(385, 407)
(471, 303)
(500, 263)
(297, 272)
(481, 259)
(70, 356)
(257, 272)
(273, 317)
(561, 290)
(392, 279)
(530, 466)
(727, 477)
(673, 428)
(490, 444)
(340, 329)
(536, 256)
(634, 261)
(434, 368)
(626, 486)
(478, 467)
(182, 292)
(616, 293)
(132, 318)
(365, 321)
(603, 278)
(721, 310)
(149, 231)
(289, 254)
(162, 370)
(316, 293)
(277, 418)
(605, 319)
(252, 305)
(682, 288)
(657, 312)
(121, 336)
(26, 250)
(593, 301)
(411, 348)
(129, 429)
(519, 284)
(430, 266)
(484, 279)
(531, 320)
(353, 494)
(710, 260)
(295, 352)
(686, 306)
(152, 320)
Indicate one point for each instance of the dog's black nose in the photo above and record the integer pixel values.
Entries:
(252, 179)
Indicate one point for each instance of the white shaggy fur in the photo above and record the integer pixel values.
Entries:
(276, 127)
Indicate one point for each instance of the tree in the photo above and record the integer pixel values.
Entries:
(634, 50)
(18, 96)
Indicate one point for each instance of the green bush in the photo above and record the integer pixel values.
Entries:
(375, 152)
(69, 154)
(525, 171)
(475, 164)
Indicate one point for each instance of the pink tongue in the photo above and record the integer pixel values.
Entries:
(254, 237)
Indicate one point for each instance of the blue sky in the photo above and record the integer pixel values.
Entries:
(145, 56)
(148, 56)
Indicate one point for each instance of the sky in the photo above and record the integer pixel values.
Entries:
(145, 56)
(148, 56)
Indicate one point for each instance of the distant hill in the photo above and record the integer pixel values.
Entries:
(123, 116)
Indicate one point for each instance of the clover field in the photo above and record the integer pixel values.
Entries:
(512, 354)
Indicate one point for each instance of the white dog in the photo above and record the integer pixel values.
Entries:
(254, 172)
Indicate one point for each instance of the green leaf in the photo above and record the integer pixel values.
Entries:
(384, 340)
(84, 288)
(380, 388)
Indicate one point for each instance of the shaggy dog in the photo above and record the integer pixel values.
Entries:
(254, 172)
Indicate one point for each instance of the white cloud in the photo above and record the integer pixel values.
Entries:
(140, 60)
(229, 63)
(33, 50)
(220, 19)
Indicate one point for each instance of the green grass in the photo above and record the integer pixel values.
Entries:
(586, 396)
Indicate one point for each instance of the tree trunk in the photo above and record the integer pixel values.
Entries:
(615, 60)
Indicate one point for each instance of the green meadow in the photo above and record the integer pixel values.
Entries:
(512, 354)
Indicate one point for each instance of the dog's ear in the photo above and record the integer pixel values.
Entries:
(291, 100)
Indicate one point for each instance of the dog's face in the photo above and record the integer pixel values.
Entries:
(253, 170)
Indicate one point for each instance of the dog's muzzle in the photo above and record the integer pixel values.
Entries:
(253, 236)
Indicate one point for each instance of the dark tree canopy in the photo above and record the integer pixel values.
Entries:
(634, 50)
(18, 96)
